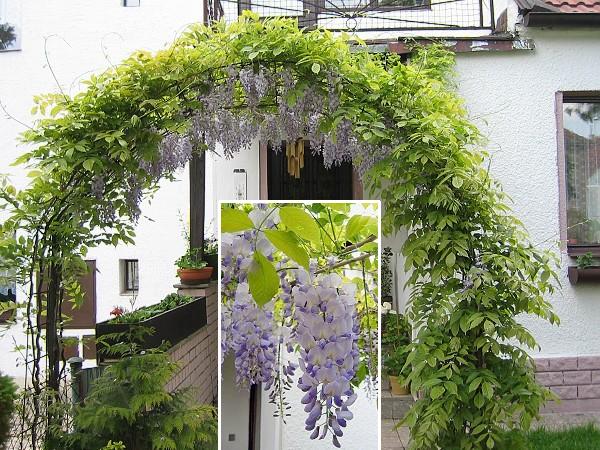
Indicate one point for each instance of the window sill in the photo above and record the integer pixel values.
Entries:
(575, 251)
(128, 293)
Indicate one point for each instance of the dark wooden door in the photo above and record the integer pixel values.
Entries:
(315, 182)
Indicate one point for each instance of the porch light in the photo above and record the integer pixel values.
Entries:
(240, 184)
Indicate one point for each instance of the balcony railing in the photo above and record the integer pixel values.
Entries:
(415, 17)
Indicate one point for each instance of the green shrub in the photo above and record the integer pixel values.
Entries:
(129, 404)
(8, 396)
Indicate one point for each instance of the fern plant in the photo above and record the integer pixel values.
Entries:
(130, 405)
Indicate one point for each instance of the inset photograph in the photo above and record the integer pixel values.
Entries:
(299, 325)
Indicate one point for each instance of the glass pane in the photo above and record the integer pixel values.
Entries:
(7, 286)
(132, 275)
(582, 154)
(10, 25)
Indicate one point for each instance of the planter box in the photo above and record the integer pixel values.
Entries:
(171, 326)
(577, 275)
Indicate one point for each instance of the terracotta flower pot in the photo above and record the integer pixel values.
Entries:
(195, 276)
(396, 387)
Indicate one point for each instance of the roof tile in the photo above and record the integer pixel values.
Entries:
(576, 6)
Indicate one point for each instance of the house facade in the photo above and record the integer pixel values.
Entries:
(527, 70)
(529, 81)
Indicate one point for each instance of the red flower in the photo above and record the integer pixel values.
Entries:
(117, 311)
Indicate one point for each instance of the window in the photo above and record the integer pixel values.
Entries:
(129, 276)
(579, 162)
(10, 25)
(7, 294)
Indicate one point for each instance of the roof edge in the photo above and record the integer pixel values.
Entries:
(535, 19)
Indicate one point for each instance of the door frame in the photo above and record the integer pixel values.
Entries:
(357, 187)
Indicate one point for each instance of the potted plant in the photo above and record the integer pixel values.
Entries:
(170, 321)
(395, 336)
(211, 254)
(393, 363)
(191, 269)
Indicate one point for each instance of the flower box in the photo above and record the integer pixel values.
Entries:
(170, 326)
(580, 275)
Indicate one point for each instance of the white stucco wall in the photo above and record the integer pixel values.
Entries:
(511, 97)
(84, 37)
(361, 433)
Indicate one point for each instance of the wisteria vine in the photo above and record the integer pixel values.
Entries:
(309, 331)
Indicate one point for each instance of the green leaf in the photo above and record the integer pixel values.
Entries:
(450, 259)
(88, 164)
(457, 182)
(300, 222)
(487, 390)
(262, 279)
(316, 67)
(355, 226)
(234, 220)
(287, 242)
(437, 392)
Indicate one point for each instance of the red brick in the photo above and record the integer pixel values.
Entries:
(595, 376)
(588, 362)
(577, 377)
(589, 391)
(542, 364)
(549, 378)
(561, 364)
(565, 392)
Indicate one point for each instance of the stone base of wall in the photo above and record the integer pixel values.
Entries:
(576, 381)
(197, 355)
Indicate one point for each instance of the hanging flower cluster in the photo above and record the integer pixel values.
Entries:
(276, 108)
(327, 332)
(253, 339)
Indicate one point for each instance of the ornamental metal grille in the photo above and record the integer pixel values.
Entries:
(415, 17)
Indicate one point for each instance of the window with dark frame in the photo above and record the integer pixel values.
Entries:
(7, 294)
(131, 282)
(581, 183)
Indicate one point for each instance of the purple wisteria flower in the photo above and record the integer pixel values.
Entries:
(253, 339)
(327, 332)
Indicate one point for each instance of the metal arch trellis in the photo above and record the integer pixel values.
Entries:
(366, 15)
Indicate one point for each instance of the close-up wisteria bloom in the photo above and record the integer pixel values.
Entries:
(292, 310)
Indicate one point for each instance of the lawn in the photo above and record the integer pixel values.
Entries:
(585, 437)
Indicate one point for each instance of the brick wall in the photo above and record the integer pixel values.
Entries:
(576, 380)
(197, 355)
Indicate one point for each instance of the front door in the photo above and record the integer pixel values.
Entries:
(315, 182)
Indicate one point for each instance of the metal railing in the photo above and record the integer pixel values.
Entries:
(428, 16)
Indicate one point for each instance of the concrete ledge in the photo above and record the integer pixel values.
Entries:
(395, 406)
